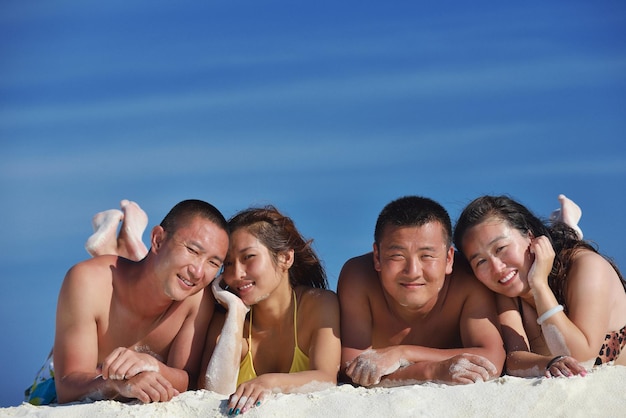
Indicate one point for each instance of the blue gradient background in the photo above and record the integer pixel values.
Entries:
(326, 109)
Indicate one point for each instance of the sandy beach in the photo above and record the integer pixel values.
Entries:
(601, 393)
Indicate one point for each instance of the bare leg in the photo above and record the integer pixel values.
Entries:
(569, 213)
(129, 240)
(103, 240)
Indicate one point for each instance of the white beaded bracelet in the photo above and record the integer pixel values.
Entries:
(547, 314)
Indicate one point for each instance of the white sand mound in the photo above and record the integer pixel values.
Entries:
(601, 393)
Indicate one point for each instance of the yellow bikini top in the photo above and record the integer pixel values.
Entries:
(300, 360)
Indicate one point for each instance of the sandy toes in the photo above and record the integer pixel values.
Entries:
(130, 243)
(569, 213)
(103, 240)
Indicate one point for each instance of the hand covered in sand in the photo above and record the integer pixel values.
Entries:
(146, 387)
(250, 394)
(371, 365)
(565, 366)
(465, 368)
(543, 251)
(124, 363)
(227, 299)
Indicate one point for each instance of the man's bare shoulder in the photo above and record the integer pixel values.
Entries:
(87, 290)
(93, 280)
(203, 301)
(97, 271)
(359, 271)
(464, 282)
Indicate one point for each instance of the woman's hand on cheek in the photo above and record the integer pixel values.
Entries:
(543, 251)
(227, 299)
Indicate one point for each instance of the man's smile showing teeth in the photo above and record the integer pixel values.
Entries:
(187, 282)
(507, 277)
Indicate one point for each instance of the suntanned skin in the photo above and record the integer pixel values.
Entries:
(406, 317)
(135, 330)
(516, 265)
(264, 285)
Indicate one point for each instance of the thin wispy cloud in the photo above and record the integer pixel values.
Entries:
(326, 109)
(290, 150)
(602, 165)
(545, 75)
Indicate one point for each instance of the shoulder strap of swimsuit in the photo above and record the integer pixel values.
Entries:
(250, 332)
(295, 318)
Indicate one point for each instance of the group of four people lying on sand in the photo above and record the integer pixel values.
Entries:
(518, 296)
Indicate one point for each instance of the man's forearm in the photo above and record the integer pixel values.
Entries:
(179, 378)
(79, 386)
(421, 371)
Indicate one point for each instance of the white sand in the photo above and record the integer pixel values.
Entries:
(601, 393)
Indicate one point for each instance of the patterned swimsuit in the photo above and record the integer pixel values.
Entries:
(612, 347)
(613, 344)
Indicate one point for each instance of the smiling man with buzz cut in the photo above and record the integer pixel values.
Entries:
(128, 329)
(406, 316)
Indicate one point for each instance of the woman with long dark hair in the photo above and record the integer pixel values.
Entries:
(562, 305)
(281, 328)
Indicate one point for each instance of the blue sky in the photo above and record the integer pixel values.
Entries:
(328, 110)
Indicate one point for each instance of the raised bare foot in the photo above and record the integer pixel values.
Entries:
(130, 243)
(569, 213)
(103, 240)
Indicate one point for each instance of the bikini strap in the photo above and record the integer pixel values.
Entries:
(295, 317)
(250, 332)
